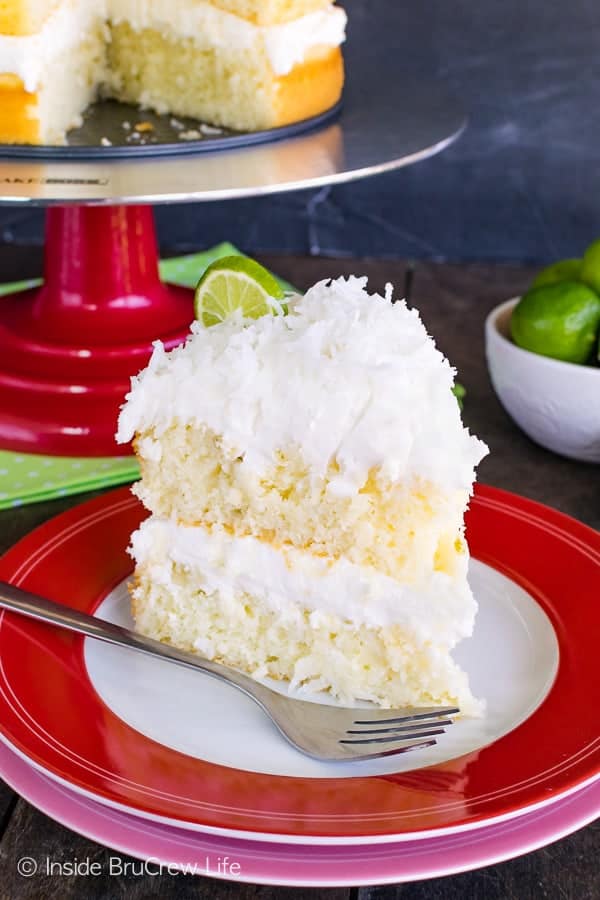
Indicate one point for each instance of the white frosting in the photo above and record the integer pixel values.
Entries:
(28, 56)
(288, 44)
(439, 610)
(345, 376)
(285, 45)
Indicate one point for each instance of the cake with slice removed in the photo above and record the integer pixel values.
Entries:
(242, 64)
(307, 476)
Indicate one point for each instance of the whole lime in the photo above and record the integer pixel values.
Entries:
(590, 267)
(565, 270)
(560, 320)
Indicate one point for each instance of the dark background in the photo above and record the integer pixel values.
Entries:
(523, 183)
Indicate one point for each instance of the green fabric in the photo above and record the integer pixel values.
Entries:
(15, 286)
(187, 270)
(29, 478)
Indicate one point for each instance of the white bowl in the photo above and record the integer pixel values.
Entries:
(556, 403)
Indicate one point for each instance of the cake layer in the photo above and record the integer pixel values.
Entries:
(18, 17)
(218, 84)
(317, 623)
(404, 529)
(349, 379)
(208, 27)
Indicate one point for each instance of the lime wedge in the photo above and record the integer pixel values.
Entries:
(237, 283)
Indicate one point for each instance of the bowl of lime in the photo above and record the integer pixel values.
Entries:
(543, 354)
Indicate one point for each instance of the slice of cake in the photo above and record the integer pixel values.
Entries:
(307, 477)
(243, 64)
(212, 62)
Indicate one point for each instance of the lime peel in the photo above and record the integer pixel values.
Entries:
(559, 320)
(564, 270)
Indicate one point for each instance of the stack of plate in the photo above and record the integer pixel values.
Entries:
(162, 763)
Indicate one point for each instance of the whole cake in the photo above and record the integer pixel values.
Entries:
(244, 64)
(307, 476)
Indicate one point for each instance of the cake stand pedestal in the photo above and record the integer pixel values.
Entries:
(68, 348)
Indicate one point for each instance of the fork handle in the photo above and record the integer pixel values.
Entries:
(17, 600)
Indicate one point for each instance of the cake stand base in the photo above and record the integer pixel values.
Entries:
(68, 348)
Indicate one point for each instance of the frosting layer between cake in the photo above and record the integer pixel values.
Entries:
(440, 610)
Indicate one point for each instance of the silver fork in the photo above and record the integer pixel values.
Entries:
(321, 731)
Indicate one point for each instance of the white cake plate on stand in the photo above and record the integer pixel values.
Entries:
(67, 349)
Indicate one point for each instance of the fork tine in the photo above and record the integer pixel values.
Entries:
(389, 738)
(413, 728)
(419, 745)
(412, 716)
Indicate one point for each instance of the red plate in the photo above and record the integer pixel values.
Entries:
(51, 714)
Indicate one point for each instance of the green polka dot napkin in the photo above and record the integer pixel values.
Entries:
(30, 478)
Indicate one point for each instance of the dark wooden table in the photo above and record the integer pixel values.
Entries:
(454, 301)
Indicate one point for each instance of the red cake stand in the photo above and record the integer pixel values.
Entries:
(69, 348)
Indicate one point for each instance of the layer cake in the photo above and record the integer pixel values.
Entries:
(242, 64)
(307, 477)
